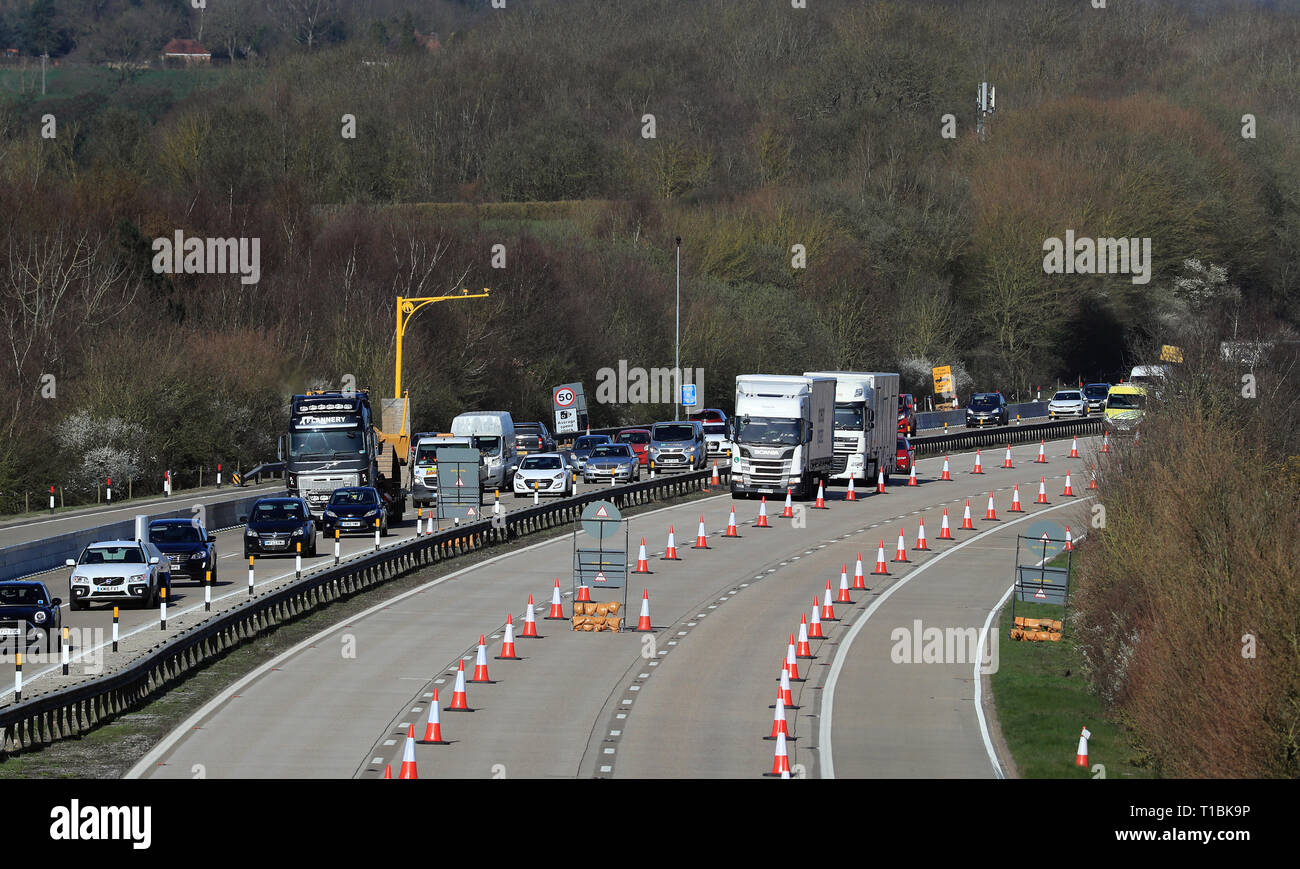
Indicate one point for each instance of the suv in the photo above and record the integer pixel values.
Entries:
(986, 408)
(906, 414)
(187, 545)
(133, 571)
(677, 445)
(533, 437)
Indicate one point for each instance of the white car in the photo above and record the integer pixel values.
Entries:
(549, 471)
(1067, 402)
(115, 571)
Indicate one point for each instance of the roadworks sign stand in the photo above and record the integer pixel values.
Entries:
(459, 495)
(1046, 587)
(600, 563)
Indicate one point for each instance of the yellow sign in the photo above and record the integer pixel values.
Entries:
(942, 379)
(1170, 353)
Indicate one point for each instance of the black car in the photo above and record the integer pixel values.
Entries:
(27, 612)
(188, 546)
(353, 510)
(1095, 395)
(277, 525)
(986, 408)
(533, 437)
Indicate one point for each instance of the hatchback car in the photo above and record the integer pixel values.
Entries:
(1067, 402)
(353, 510)
(545, 473)
(613, 462)
(986, 408)
(583, 446)
(119, 571)
(28, 612)
(276, 527)
(639, 440)
(904, 455)
(1095, 395)
(189, 548)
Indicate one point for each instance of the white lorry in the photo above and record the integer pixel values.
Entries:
(492, 433)
(783, 434)
(866, 406)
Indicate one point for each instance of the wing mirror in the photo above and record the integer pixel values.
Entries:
(56, 602)
(212, 538)
(153, 560)
(71, 562)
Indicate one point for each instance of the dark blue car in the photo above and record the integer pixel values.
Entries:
(353, 510)
(188, 546)
(277, 526)
(27, 608)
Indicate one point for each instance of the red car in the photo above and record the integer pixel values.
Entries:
(906, 414)
(904, 456)
(639, 440)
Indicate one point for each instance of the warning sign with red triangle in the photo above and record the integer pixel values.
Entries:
(471, 512)
(600, 576)
(459, 482)
(1040, 594)
(602, 513)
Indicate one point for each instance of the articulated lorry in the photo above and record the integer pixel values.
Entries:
(783, 434)
(333, 442)
(866, 404)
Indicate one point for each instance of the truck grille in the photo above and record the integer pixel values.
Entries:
(839, 462)
(768, 472)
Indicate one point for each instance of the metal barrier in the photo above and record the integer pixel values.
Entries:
(77, 709)
(1010, 434)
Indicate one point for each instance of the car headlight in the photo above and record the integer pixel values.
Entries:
(250, 533)
(297, 532)
(39, 616)
(559, 477)
(139, 577)
(371, 514)
(330, 514)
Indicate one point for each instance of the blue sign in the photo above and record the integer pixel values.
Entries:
(688, 394)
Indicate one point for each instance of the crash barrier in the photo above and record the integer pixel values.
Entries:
(936, 418)
(74, 710)
(935, 445)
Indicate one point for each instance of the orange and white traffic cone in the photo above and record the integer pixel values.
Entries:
(762, 514)
(1006, 463)
(1042, 453)
(433, 730)
(815, 626)
(991, 514)
(715, 480)
(966, 524)
(791, 663)
(670, 554)
(408, 756)
(459, 701)
(508, 641)
(530, 622)
(643, 623)
(945, 533)
(880, 481)
(1092, 483)
(388, 770)
(820, 503)
(852, 494)
(1042, 491)
(1069, 490)
(1015, 500)
(880, 561)
(802, 649)
(1080, 756)
(557, 609)
(788, 512)
(911, 477)
(844, 586)
(828, 606)
(584, 594)
(642, 566)
(1074, 448)
(1105, 442)
(920, 537)
(945, 475)
(480, 663)
(859, 581)
(786, 694)
(778, 719)
(731, 524)
(901, 553)
(701, 538)
(781, 761)
(979, 469)
(1069, 540)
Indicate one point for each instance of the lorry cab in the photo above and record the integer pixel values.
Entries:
(1125, 407)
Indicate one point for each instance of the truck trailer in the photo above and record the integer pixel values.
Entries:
(865, 435)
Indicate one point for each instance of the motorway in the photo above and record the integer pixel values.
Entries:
(692, 699)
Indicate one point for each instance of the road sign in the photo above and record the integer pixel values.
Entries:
(688, 395)
(566, 421)
(1170, 353)
(600, 519)
(459, 495)
(942, 379)
(565, 397)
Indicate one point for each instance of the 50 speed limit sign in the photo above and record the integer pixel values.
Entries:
(565, 397)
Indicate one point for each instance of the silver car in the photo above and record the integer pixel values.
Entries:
(1067, 402)
(613, 462)
(549, 473)
(113, 571)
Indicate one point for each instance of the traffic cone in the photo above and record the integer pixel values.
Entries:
(715, 480)
(966, 524)
(642, 566)
(1006, 463)
(852, 494)
(781, 761)
(388, 770)
(788, 512)
(911, 477)
(778, 719)
(643, 623)
(920, 537)
(1080, 756)
(1015, 500)
(433, 730)
(820, 503)
(508, 642)
(945, 475)
(991, 514)
(670, 554)
(408, 755)
(1092, 483)
(880, 561)
(701, 539)
(859, 581)
(557, 609)
(901, 553)
(1042, 491)
(1069, 540)
(1074, 448)
(815, 626)
(844, 586)
(530, 622)
(802, 649)
(945, 533)
(979, 469)
(584, 594)
(731, 524)
(480, 664)
(880, 481)
(786, 694)
(791, 663)
(762, 514)
(1042, 454)
(459, 702)
(1105, 442)
(1069, 490)
(828, 606)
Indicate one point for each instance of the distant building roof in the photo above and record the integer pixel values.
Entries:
(185, 47)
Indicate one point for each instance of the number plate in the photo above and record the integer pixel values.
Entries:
(353, 523)
(275, 542)
(11, 632)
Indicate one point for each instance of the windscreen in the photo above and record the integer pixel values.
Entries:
(174, 534)
(1126, 401)
(20, 595)
(715, 428)
(278, 512)
(634, 437)
(542, 463)
(764, 430)
(113, 555)
(344, 497)
(1096, 391)
(1067, 396)
(671, 433)
(848, 417)
(612, 450)
(590, 442)
(325, 444)
(983, 402)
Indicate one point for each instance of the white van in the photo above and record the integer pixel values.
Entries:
(492, 432)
